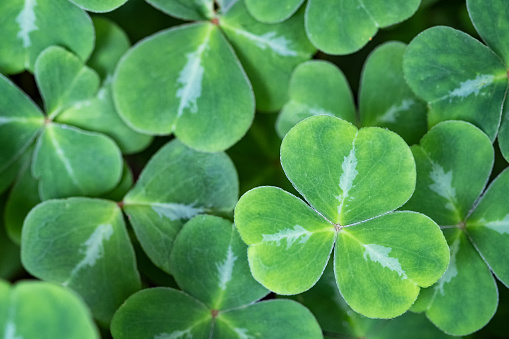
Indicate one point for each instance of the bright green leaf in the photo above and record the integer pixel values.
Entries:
(186, 9)
(351, 24)
(348, 175)
(316, 87)
(490, 20)
(125, 184)
(454, 161)
(458, 77)
(177, 184)
(466, 296)
(282, 319)
(9, 173)
(488, 227)
(289, 243)
(269, 53)
(99, 5)
(381, 263)
(161, 313)
(209, 262)
(82, 243)
(30, 26)
(111, 43)
(20, 121)
(189, 82)
(272, 11)
(63, 80)
(503, 133)
(401, 111)
(33, 309)
(68, 161)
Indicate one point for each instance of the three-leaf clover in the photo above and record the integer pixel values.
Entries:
(352, 180)
(461, 78)
(192, 83)
(454, 161)
(218, 299)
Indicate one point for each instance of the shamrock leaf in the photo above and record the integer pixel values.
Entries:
(218, 294)
(352, 179)
(160, 204)
(449, 182)
(82, 243)
(270, 11)
(33, 309)
(352, 23)
(318, 88)
(30, 26)
(459, 76)
(99, 5)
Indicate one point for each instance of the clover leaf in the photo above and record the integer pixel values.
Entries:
(458, 75)
(82, 243)
(177, 184)
(218, 297)
(449, 182)
(272, 12)
(196, 85)
(351, 179)
(30, 26)
(352, 23)
(318, 87)
(99, 5)
(34, 309)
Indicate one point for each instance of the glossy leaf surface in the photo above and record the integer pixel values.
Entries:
(177, 184)
(82, 243)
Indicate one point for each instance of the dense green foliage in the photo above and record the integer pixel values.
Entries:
(367, 140)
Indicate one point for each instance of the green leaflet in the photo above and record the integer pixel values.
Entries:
(381, 263)
(352, 23)
(503, 132)
(401, 111)
(23, 197)
(20, 121)
(10, 261)
(269, 53)
(99, 5)
(82, 243)
(194, 106)
(218, 294)
(449, 182)
(32, 309)
(163, 313)
(490, 20)
(283, 319)
(66, 162)
(337, 319)
(316, 87)
(111, 43)
(160, 204)
(348, 174)
(186, 9)
(458, 77)
(289, 243)
(466, 296)
(450, 178)
(488, 227)
(63, 80)
(272, 11)
(30, 26)
(209, 262)
(9, 173)
(125, 184)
